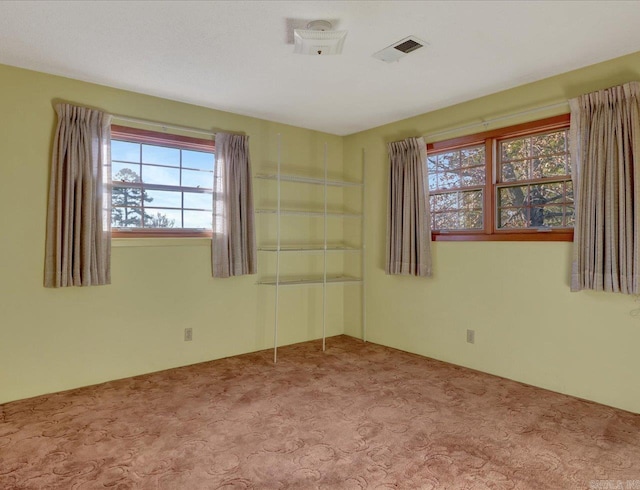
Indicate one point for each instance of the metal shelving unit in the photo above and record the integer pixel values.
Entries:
(309, 180)
(324, 248)
(309, 281)
(308, 248)
(318, 214)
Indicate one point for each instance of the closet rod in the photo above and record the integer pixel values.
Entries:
(164, 126)
(486, 122)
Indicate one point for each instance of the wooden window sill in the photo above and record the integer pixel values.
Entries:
(542, 236)
(161, 242)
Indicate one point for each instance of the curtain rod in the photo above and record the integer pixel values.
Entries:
(497, 119)
(162, 125)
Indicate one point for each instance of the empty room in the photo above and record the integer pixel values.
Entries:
(320, 245)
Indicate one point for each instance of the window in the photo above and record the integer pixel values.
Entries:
(162, 184)
(508, 184)
(456, 189)
(543, 194)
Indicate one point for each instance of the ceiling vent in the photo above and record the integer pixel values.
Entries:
(398, 50)
(318, 39)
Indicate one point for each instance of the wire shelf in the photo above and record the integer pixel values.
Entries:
(319, 214)
(309, 281)
(308, 248)
(309, 180)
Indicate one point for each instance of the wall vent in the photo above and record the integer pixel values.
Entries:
(398, 50)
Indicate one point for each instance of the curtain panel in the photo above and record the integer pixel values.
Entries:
(605, 161)
(408, 217)
(233, 251)
(78, 244)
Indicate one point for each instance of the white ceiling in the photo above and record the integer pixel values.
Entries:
(235, 56)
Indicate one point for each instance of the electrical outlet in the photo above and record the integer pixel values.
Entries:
(188, 334)
(471, 336)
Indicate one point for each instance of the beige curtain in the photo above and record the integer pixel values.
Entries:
(408, 220)
(233, 250)
(78, 246)
(605, 160)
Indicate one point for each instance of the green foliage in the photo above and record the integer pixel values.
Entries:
(127, 204)
(159, 220)
(526, 205)
(531, 158)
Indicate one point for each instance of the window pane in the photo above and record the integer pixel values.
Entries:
(125, 172)
(163, 218)
(198, 200)
(513, 218)
(127, 196)
(536, 217)
(454, 220)
(536, 157)
(472, 176)
(549, 167)
(448, 161)
(194, 178)
(548, 144)
(126, 217)
(471, 220)
(512, 196)
(515, 149)
(433, 181)
(125, 151)
(569, 190)
(553, 216)
(161, 155)
(197, 219)
(546, 193)
(515, 171)
(160, 175)
(445, 221)
(431, 164)
(448, 180)
(164, 199)
(471, 200)
(148, 181)
(570, 216)
(536, 205)
(472, 156)
(443, 202)
(197, 159)
(459, 168)
(458, 210)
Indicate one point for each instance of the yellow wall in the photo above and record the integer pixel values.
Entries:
(516, 297)
(529, 327)
(51, 340)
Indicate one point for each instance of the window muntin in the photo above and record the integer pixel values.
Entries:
(539, 163)
(161, 187)
(527, 187)
(456, 188)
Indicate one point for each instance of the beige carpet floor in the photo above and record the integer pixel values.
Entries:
(357, 416)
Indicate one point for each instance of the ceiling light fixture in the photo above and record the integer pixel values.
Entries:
(318, 39)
